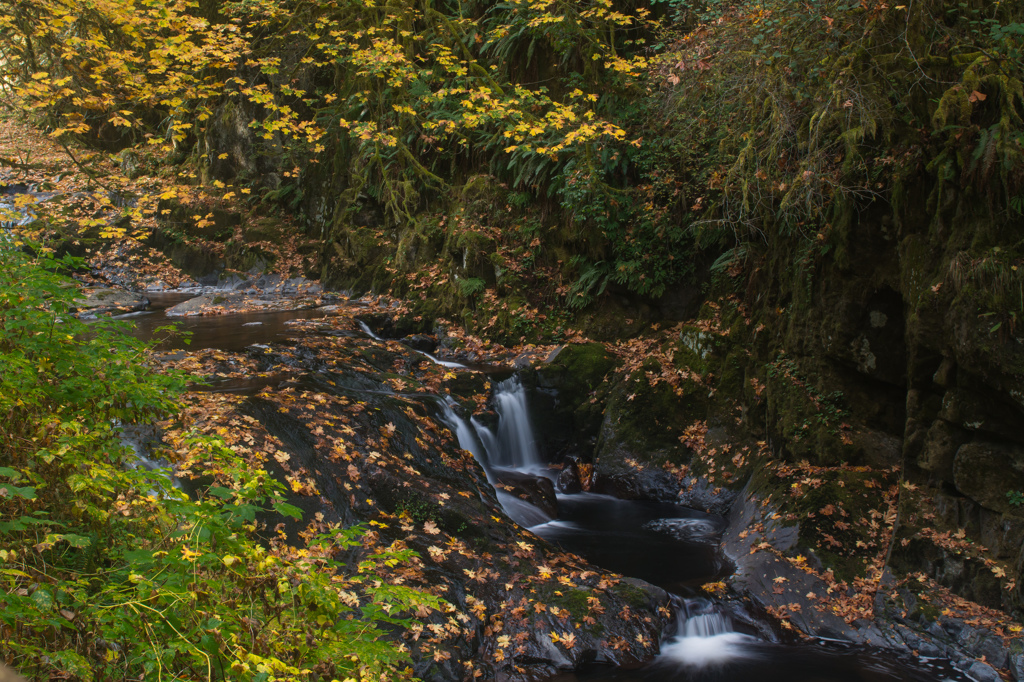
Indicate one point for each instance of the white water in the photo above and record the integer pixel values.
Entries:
(369, 332)
(465, 434)
(514, 446)
(700, 652)
(705, 638)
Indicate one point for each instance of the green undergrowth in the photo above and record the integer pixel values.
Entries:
(109, 571)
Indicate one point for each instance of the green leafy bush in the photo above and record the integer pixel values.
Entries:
(110, 572)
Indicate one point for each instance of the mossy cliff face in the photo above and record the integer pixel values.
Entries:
(894, 344)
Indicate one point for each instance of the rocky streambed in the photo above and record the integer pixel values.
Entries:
(367, 430)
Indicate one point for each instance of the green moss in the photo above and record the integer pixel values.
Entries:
(586, 364)
(644, 421)
(573, 600)
(634, 596)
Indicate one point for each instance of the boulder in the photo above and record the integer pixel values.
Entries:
(100, 301)
(940, 447)
(535, 490)
(224, 303)
(986, 472)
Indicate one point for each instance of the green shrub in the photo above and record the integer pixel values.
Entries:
(110, 572)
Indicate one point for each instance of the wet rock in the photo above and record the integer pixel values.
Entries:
(982, 672)
(1017, 667)
(575, 477)
(536, 490)
(102, 301)
(349, 448)
(423, 342)
(575, 374)
(233, 302)
(640, 435)
(396, 326)
(982, 643)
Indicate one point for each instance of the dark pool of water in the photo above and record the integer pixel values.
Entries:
(665, 544)
(225, 332)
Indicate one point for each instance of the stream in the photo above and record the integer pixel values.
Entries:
(665, 544)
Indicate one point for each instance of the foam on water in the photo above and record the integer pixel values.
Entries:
(704, 651)
(691, 529)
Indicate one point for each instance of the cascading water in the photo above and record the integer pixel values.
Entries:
(705, 636)
(665, 544)
(486, 447)
(515, 433)
(514, 446)
(465, 434)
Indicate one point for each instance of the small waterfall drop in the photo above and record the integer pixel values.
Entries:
(706, 625)
(515, 443)
(511, 448)
(369, 332)
(487, 439)
(704, 637)
(465, 434)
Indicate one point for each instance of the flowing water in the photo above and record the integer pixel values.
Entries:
(675, 548)
(665, 544)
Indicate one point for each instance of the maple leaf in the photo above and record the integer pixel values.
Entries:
(431, 528)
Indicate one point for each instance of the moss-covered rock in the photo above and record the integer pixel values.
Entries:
(987, 472)
(570, 389)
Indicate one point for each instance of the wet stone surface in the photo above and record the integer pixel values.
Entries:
(351, 426)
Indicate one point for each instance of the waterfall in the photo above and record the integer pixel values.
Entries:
(487, 439)
(465, 434)
(515, 443)
(369, 332)
(704, 636)
(512, 447)
(706, 625)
